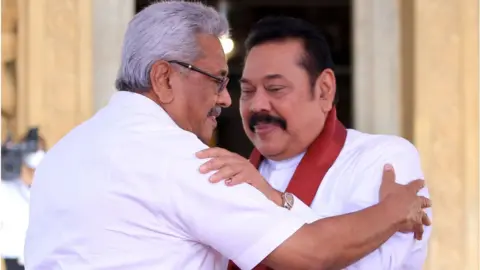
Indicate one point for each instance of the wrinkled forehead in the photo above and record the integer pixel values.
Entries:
(278, 57)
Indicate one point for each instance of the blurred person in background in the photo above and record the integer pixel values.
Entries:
(14, 198)
(287, 104)
(123, 190)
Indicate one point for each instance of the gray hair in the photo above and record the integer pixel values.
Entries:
(164, 31)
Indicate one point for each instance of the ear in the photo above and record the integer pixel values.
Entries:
(325, 89)
(160, 80)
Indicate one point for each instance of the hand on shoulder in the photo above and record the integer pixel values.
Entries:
(234, 169)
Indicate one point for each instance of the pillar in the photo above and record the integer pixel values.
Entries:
(9, 66)
(54, 66)
(110, 20)
(443, 69)
(376, 66)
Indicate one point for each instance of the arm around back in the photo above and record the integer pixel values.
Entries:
(336, 242)
(243, 225)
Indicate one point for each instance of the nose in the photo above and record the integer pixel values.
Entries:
(224, 99)
(260, 102)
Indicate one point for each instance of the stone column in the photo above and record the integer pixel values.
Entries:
(110, 20)
(54, 65)
(444, 70)
(376, 66)
(9, 67)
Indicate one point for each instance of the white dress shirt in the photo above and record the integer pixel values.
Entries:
(352, 184)
(123, 191)
(14, 204)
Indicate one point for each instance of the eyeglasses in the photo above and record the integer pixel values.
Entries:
(221, 81)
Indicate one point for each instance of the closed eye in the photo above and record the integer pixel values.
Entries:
(275, 88)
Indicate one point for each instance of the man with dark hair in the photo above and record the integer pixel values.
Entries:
(287, 106)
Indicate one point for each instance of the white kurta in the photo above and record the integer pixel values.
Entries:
(123, 191)
(352, 184)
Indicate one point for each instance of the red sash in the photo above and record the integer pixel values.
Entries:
(318, 159)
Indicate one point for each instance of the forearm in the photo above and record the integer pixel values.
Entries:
(336, 242)
(349, 237)
(342, 240)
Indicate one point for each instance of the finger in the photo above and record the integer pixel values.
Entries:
(213, 164)
(426, 220)
(226, 172)
(416, 185)
(425, 202)
(388, 174)
(212, 152)
(418, 231)
(235, 180)
(239, 178)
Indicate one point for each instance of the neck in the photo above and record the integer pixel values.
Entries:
(173, 110)
(287, 154)
(285, 163)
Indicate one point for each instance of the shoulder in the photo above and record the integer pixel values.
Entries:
(163, 146)
(177, 152)
(374, 150)
(372, 153)
(376, 145)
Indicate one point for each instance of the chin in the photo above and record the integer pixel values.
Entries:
(269, 148)
(270, 152)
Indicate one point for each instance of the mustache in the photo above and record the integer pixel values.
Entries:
(264, 118)
(215, 111)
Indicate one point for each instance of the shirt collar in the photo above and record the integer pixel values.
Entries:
(284, 164)
(138, 103)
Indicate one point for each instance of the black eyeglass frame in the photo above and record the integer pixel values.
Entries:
(222, 81)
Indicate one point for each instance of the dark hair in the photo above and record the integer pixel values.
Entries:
(317, 55)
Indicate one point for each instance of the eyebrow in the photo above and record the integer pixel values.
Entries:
(273, 76)
(268, 77)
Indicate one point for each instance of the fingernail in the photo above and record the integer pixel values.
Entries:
(202, 168)
(228, 181)
(388, 167)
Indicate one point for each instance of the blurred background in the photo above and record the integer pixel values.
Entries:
(405, 67)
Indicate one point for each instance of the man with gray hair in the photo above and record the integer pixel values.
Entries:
(123, 190)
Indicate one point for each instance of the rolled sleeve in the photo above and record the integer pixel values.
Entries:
(267, 243)
(303, 211)
(239, 222)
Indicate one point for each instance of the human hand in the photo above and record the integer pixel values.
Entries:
(235, 169)
(404, 202)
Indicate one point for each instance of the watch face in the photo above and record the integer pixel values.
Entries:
(288, 200)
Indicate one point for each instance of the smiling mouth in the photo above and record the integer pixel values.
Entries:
(264, 128)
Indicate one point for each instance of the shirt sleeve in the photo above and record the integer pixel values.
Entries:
(239, 222)
(401, 251)
(303, 211)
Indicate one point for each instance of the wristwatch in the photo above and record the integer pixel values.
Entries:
(287, 200)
